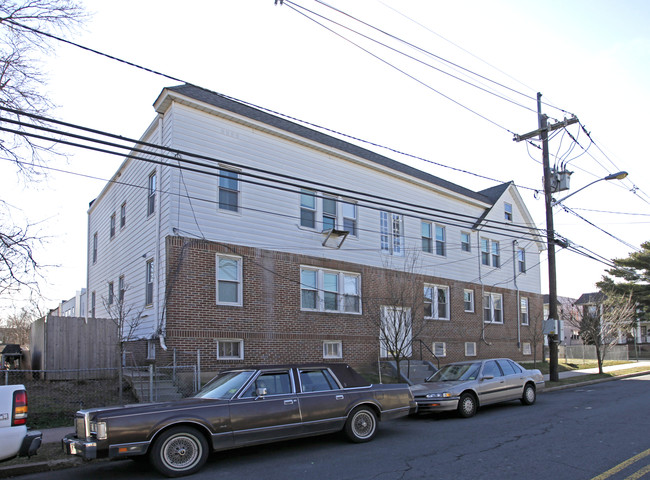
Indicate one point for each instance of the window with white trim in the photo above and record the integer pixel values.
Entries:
(496, 255)
(123, 215)
(493, 308)
(440, 349)
(436, 302)
(333, 212)
(427, 237)
(523, 308)
(229, 280)
(112, 226)
(307, 208)
(111, 293)
(349, 211)
(441, 242)
(330, 290)
(490, 253)
(228, 190)
(230, 349)
(329, 213)
(332, 349)
(507, 211)
(92, 304)
(526, 348)
(391, 233)
(470, 349)
(148, 295)
(95, 243)
(468, 300)
(465, 242)
(120, 289)
(151, 194)
(521, 260)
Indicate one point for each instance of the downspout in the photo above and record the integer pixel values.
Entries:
(514, 277)
(161, 321)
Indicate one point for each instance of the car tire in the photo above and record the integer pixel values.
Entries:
(361, 425)
(179, 451)
(529, 396)
(467, 405)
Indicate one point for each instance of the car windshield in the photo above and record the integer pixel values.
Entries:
(226, 385)
(452, 373)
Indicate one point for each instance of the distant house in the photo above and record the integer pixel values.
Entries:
(569, 316)
(254, 239)
(73, 307)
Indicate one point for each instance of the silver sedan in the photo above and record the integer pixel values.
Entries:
(465, 386)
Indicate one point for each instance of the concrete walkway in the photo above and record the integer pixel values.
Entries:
(587, 371)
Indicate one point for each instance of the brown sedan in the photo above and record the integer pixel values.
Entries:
(238, 408)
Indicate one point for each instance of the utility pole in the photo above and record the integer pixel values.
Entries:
(542, 131)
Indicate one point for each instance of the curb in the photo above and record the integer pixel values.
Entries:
(592, 382)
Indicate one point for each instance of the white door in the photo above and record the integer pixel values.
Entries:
(396, 331)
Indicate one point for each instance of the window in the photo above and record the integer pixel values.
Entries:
(112, 226)
(318, 380)
(521, 260)
(148, 296)
(229, 284)
(427, 237)
(440, 349)
(470, 349)
(468, 300)
(123, 215)
(329, 213)
(349, 217)
(111, 296)
(332, 349)
(507, 212)
(440, 240)
(275, 383)
(307, 209)
(496, 255)
(526, 348)
(228, 190)
(151, 349)
(120, 289)
(492, 308)
(228, 349)
(436, 302)
(92, 305)
(330, 290)
(391, 235)
(465, 243)
(95, 247)
(491, 369)
(523, 308)
(490, 253)
(151, 197)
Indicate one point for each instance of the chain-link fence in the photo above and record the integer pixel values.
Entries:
(588, 352)
(55, 395)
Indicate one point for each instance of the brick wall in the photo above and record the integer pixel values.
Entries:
(275, 330)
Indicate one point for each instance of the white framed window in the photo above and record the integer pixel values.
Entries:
(229, 280)
(148, 300)
(391, 233)
(123, 215)
(230, 349)
(332, 349)
(228, 190)
(465, 242)
(490, 253)
(436, 302)
(151, 194)
(496, 255)
(440, 349)
(349, 211)
(330, 290)
(120, 289)
(111, 293)
(468, 300)
(521, 260)
(441, 242)
(151, 349)
(95, 243)
(330, 209)
(523, 308)
(493, 308)
(112, 226)
(427, 237)
(507, 211)
(526, 348)
(485, 251)
(470, 349)
(307, 208)
(92, 304)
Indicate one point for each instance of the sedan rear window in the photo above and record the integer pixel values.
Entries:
(317, 381)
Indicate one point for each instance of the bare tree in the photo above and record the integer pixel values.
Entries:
(535, 331)
(19, 325)
(603, 325)
(396, 314)
(127, 321)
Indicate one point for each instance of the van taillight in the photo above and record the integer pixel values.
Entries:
(20, 408)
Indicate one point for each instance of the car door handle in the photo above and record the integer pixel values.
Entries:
(288, 402)
(339, 397)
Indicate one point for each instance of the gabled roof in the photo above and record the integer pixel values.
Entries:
(591, 298)
(223, 102)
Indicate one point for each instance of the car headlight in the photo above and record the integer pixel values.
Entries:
(439, 395)
(98, 429)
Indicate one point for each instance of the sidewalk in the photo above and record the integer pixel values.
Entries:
(588, 371)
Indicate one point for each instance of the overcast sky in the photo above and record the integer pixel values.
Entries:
(587, 57)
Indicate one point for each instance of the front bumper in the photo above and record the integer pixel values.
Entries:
(86, 449)
(431, 405)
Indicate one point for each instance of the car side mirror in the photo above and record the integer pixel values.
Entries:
(261, 392)
(487, 377)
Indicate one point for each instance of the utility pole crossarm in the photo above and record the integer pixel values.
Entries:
(564, 123)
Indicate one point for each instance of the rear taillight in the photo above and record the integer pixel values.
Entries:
(20, 408)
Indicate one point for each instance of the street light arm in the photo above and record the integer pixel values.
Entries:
(613, 176)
